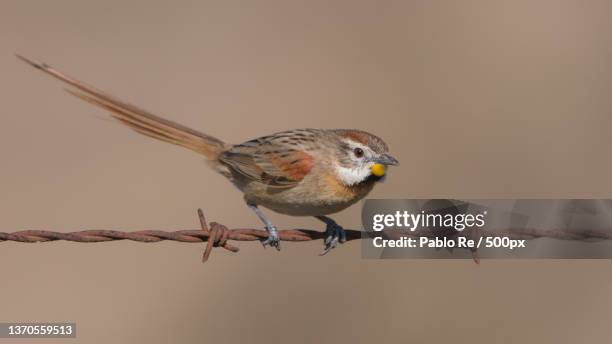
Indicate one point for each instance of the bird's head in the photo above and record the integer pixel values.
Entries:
(361, 157)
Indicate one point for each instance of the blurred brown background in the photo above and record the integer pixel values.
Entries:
(490, 99)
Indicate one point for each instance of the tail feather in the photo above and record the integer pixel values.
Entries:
(138, 119)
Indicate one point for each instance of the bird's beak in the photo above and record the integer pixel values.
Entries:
(386, 159)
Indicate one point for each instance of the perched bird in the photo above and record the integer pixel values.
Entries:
(301, 172)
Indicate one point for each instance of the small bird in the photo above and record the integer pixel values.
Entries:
(300, 172)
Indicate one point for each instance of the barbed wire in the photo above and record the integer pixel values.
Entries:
(218, 235)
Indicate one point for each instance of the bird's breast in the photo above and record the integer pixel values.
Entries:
(316, 194)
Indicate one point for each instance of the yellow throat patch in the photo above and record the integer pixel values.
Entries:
(379, 170)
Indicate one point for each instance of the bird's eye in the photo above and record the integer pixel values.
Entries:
(358, 152)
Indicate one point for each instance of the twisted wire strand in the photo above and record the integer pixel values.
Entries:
(217, 235)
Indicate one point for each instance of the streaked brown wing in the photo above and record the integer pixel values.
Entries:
(274, 164)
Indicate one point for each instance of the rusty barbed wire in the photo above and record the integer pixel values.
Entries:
(215, 234)
(218, 235)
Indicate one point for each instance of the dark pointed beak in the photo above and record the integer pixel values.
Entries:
(386, 159)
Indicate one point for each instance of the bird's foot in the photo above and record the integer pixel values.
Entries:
(334, 235)
(273, 239)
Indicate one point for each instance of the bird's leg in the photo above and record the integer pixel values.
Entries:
(334, 234)
(273, 239)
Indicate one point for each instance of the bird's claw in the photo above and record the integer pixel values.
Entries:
(334, 235)
(273, 239)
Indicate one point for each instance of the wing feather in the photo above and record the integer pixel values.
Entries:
(272, 163)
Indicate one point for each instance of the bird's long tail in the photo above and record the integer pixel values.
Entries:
(138, 119)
